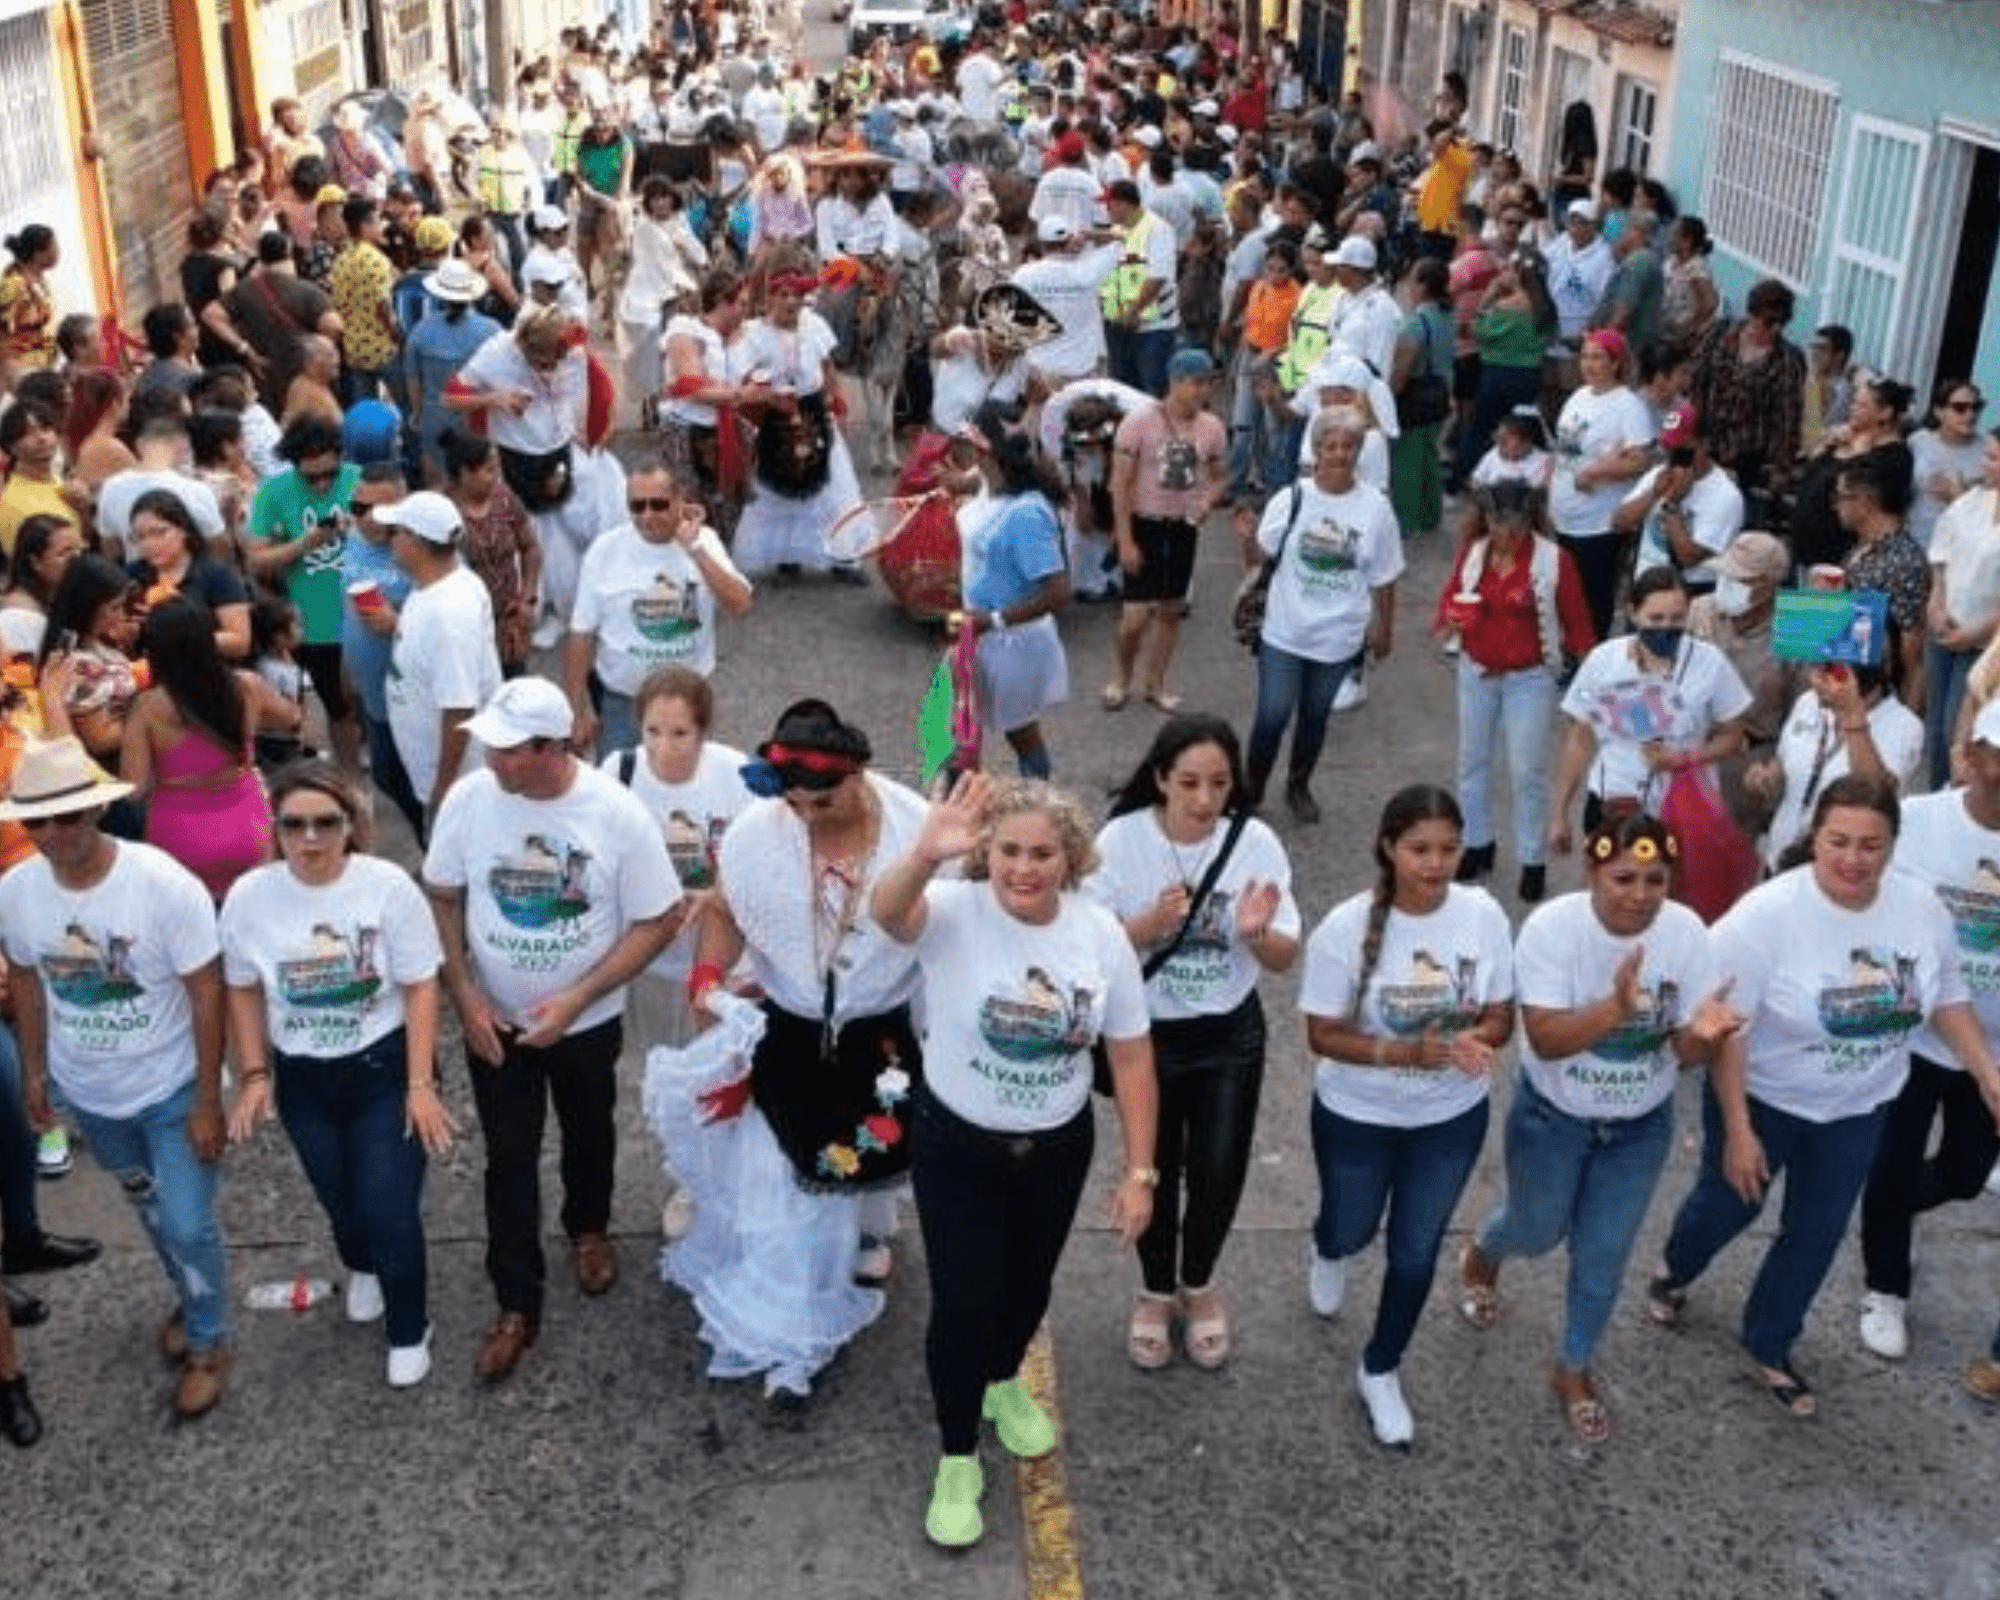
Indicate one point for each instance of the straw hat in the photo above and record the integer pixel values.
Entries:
(55, 777)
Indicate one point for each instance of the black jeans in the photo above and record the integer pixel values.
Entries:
(1211, 1070)
(1597, 564)
(580, 1075)
(996, 1210)
(1904, 1182)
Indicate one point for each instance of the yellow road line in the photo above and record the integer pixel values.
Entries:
(1048, 1521)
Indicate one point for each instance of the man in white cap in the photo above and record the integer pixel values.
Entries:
(1367, 316)
(552, 889)
(1068, 188)
(117, 988)
(445, 659)
(1067, 279)
(550, 261)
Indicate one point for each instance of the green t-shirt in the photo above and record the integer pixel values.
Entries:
(1508, 337)
(286, 508)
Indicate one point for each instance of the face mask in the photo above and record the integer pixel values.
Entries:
(1663, 644)
(1732, 596)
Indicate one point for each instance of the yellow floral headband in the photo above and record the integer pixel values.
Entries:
(1604, 847)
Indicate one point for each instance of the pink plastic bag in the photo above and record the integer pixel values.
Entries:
(1718, 864)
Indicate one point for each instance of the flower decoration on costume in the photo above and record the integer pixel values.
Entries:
(839, 1161)
(842, 272)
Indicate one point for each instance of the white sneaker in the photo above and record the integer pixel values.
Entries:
(677, 1217)
(1993, 1179)
(1382, 1394)
(1326, 1285)
(1882, 1328)
(410, 1364)
(1353, 692)
(364, 1297)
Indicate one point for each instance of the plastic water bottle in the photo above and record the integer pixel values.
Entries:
(300, 1293)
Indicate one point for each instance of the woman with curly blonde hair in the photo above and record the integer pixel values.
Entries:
(1021, 975)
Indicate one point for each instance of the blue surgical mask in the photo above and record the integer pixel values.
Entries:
(1664, 644)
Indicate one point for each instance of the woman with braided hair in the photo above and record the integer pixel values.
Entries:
(1408, 993)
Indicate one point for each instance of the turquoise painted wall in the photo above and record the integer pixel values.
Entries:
(1901, 60)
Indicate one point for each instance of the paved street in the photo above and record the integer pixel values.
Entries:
(610, 1466)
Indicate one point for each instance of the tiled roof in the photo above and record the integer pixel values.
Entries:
(1614, 20)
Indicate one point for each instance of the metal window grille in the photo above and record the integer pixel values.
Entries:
(1638, 105)
(1769, 151)
(316, 26)
(31, 120)
(414, 49)
(1513, 86)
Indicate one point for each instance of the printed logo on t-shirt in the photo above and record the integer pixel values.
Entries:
(1878, 999)
(1037, 1021)
(1033, 1027)
(1431, 997)
(691, 844)
(1640, 1035)
(1329, 554)
(1179, 461)
(543, 885)
(333, 988)
(1202, 963)
(668, 611)
(1975, 908)
(91, 974)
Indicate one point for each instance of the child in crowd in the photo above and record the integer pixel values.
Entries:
(274, 635)
(1520, 452)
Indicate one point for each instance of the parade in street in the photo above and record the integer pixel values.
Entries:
(1235, 780)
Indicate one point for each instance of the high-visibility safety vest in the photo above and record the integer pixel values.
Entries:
(1121, 289)
(1311, 332)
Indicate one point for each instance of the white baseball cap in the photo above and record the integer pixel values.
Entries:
(1054, 230)
(427, 514)
(1355, 252)
(522, 709)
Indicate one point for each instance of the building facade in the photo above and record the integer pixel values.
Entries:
(1852, 149)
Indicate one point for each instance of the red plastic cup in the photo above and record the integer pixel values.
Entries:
(366, 594)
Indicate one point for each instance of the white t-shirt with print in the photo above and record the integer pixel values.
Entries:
(112, 960)
(1942, 846)
(1592, 425)
(648, 605)
(692, 816)
(550, 885)
(1213, 970)
(1714, 511)
(793, 358)
(1436, 973)
(1833, 995)
(1340, 548)
(1812, 753)
(1566, 959)
(1625, 706)
(1011, 1008)
(444, 657)
(332, 959)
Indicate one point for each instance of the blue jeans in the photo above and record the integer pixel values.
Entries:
(346, 1119)
(1288, 683)
(1587, 1182)
(1825, 1164)
(1945, 672)
(1281, 453)
(1520, 707)
(1418, 1175)
(618, 723)
(1138, 357)
(173, 1191)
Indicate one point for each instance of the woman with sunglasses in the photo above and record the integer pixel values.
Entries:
(174, 559)
(331, 956)
(1964, 609)
(1948, 458)
(832, 1075)
(1618, 994)
(189, 746)
(1872, 440)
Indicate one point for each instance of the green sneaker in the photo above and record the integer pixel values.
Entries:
(953, 1519)
(52, 1157)
(1023, 1426)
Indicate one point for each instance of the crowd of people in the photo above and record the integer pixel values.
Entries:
(1090, 289)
